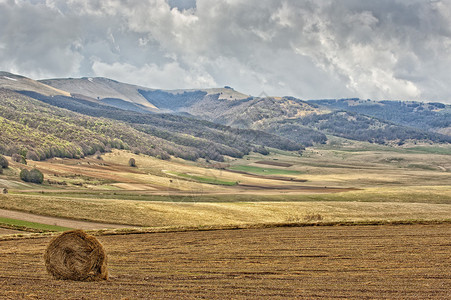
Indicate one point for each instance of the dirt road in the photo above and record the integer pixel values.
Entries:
(77, 224)
(346, 262)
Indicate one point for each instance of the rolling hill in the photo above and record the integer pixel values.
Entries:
(20, 83)
(81, 127)
(76, 117)
(305, 122)
(119, 94)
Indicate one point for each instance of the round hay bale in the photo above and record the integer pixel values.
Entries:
(75, 255)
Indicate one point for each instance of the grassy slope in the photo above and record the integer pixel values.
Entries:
(158, 214)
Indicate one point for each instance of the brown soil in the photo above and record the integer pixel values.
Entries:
(273, 163)
(4, 231)
(361, 262)
(282, 178)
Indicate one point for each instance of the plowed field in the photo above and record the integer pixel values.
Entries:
(360, 262)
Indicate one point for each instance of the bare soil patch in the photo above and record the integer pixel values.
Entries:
(273, 163)
(361, 262)
(134, 187)
(281, 178)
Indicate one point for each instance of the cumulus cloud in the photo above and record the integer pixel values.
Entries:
(387, 49)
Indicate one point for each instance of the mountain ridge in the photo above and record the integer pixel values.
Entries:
(179, 121)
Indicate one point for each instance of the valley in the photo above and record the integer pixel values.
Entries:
(308, 196)
(270, 160)
(350, 185)
(195, 149)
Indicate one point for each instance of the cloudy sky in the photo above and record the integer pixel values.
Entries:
(311, 49)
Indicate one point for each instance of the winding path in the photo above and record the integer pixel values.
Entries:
(76, 224)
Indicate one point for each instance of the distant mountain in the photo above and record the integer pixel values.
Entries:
(206, 123)
(21, 83)
(42, 126)
(139, 98)
(432, 116)
(220, 105)
(102, 89)
(360, 127)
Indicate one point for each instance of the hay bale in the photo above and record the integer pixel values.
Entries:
(75, 255)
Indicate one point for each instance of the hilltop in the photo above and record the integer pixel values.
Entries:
(304, 122)
(128, 96)
(20, 83)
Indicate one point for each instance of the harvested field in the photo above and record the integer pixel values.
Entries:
(4, 231)
(386, 262)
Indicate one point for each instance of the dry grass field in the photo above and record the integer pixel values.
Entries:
(356, 182)
(346, 262)
(161, 214)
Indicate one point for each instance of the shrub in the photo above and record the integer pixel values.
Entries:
(32, 155)
(3, 162)
(98, 154)
(132, 162)
(19, 158)
(24, 175)
(34, 176)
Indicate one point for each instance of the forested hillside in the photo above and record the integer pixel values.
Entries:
(363, 128)
(307, 123)
(420, 115)
(40, 130)
(41, 121)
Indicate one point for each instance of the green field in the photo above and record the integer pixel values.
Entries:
(25, 225)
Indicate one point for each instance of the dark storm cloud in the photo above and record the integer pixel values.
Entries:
(309, 49)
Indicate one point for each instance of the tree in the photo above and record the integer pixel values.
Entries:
(34, 176)
(3, 162)
(32, 155)
(24, 175)
(132, 162)
(19, 158)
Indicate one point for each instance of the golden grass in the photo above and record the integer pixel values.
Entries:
(158, 214)
(331, 168)
(390, 190)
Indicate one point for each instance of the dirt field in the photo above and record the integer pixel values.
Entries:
(361, 262)
(5, 231)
